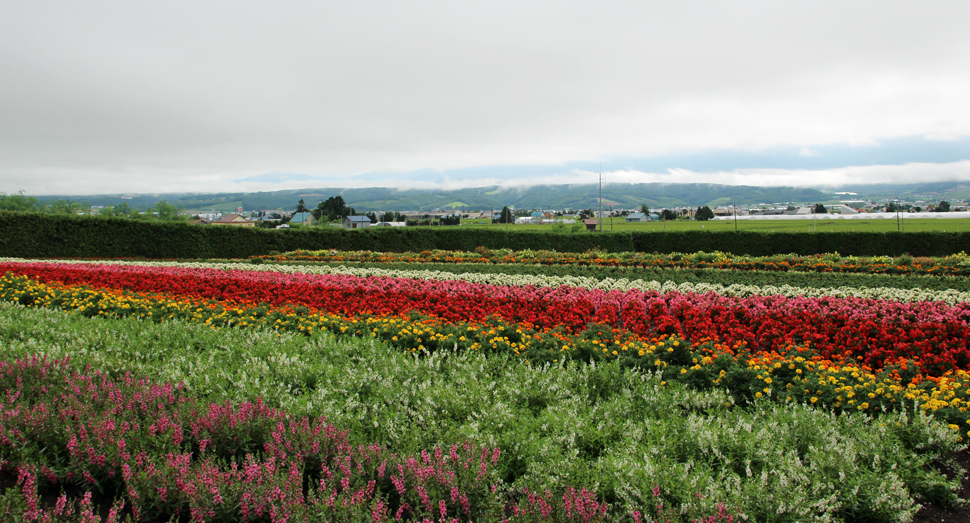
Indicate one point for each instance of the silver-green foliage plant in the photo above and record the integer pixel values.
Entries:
(617, 432)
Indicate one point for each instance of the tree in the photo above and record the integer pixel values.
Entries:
(819, 209)
(332, 209)
(17, 202)
(167, 211)
(918, 209)
(644, 209)
(704, 213)
(585, 213)
(65, 207)
(943, 207)
(301, 207)
(668, 215)
(119, 211)
(505, 216)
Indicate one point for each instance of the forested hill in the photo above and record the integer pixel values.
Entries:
(481, 198)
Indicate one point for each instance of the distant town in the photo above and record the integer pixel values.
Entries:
(572, 206)
(347, 217)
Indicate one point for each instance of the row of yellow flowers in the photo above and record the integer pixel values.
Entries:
(795, 375)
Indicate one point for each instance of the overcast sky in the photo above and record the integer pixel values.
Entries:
(199, 96)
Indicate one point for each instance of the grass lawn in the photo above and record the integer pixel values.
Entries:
(864, 225)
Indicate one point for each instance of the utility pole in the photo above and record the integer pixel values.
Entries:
(601, 197)
(898, 226)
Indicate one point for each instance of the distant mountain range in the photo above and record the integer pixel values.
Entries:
(619, 196)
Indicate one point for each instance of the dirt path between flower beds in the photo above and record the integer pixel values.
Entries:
(957, 514)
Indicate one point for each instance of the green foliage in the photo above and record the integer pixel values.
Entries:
(64, 236)
(620, 432)
(505, 216)
(704, 213)
(18, 201)
(332, 209)
(119, 211)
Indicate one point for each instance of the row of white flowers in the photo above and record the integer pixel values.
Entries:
(951, 297)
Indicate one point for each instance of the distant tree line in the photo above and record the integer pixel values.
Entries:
(23, 203)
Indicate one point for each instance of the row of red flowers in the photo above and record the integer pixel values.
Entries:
(873, 331)
(797, 374)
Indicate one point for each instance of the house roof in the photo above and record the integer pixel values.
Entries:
(232, 218)
(301, 217)
(358, 219)
(635, 215)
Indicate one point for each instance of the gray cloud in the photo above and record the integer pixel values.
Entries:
(130, 95)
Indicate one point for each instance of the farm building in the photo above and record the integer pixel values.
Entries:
(301, 218)
(356, 222)
(235, 220)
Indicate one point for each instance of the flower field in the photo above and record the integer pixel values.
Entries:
(891, 364)
(956, 265)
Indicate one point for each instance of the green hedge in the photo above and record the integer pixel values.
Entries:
(53, 236)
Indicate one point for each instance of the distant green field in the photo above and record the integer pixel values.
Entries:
(866, 225)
